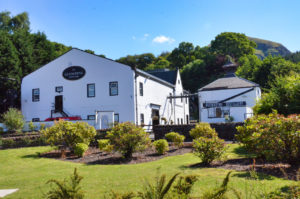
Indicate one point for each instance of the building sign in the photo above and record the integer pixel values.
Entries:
(73, 73)
(228, 104)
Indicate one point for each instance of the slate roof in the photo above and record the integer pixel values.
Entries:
(229, 82)
(169, 76)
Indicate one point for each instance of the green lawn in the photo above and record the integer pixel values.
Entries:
(21, 168)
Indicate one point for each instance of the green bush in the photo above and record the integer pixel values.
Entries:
(273, 136)
(42, 126)
(103, 143)
(13, 120)
(203, 130)
(24, 142)
(176, 138)
(8, 143)
(80, 149)
(208, 149)
(1, 130)
(31, 126)
(128, 138)
(66, 189)
(161, 146)
(69, 134)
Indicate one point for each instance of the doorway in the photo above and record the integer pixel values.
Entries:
(155, 117)
(58, 103)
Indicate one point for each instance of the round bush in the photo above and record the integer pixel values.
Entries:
(176, 138)
(104, 145)
(80, 149)
(161, 146)
(208, 149)
(13, 120)
(273, 136)
(203, 130)
(128, 138)
(68, 134)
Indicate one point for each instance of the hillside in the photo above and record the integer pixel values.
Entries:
(265, 47)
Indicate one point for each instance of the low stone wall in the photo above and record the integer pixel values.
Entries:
(225, 131)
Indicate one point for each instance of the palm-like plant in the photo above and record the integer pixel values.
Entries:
(159, 189)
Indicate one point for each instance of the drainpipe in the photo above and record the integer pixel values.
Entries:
(136, 97)
(174, 106)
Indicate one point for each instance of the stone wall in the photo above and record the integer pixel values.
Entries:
(225, 131)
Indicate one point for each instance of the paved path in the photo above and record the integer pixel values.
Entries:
(5, 192)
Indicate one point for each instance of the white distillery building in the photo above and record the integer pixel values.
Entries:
(85, 85)
(228, 97)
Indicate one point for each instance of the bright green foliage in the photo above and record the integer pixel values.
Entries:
(66, 189)
(42, 126)
(273, 136)
(31, 126)
(13, 120)
(176, 138)
(161, 146)
(203, 130)
(208, 149)
(69, 134)
(219, 192)
(159, 189)
(128, 138)
(183, 186)
(80, 149)
(103, 143)
(284, 96)
(119, 195)
(233, 44)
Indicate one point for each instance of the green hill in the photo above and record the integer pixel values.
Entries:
(265, 47)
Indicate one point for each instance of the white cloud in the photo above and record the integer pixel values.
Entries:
(163, 39)
(146, 35)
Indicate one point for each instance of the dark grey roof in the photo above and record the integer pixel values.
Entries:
(229, 82)
(169, 76)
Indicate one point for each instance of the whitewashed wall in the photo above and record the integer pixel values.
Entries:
(238, 113)
(75, 101)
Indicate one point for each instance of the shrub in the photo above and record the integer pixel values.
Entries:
(161, 146)
(31, 126)
(13, 120)
(80, 149)
(273, 136)
(1, 130)
(184, 186)
(69, 134)
(23, 142)
(203, 130)
(208, 149)
(176, 138)
(128, 138)
(42, 126)
(8, 143)
(66, 189)
(103, 143)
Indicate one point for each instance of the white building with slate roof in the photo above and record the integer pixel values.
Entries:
(82, 84)
(228, 97)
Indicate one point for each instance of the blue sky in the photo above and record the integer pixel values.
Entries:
(117, 28)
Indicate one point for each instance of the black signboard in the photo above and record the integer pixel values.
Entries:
(73, 73)
(230, 104)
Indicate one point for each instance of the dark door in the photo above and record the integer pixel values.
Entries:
(59, 103)
(155, 117)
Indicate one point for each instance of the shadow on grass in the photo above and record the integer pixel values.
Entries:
(242, 151)
(33, 156)
(259, 176)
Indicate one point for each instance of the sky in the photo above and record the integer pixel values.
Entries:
(117, 28)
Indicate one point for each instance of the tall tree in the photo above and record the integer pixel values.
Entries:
(233, 44)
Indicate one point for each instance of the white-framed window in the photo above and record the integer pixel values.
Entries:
(91, 90)
(142, 118)
(218, 112)
(113, 89)
(35, 94)
(116, 117)
(91, 117)
(35, 119)
(141, 89)
(58, 89)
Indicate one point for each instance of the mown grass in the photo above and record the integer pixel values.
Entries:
(23, 169)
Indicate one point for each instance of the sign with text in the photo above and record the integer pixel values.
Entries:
(73, 73)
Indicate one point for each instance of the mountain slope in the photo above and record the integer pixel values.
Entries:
(265, 47)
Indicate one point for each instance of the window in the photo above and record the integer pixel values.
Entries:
(187, 119)
(142, 118)
(218, 112)
(91, 117)
(58, 89)
(181, 97)
(178, 81)
(181, 121)
(91, 90)
(35, 119)
(170, 98)
(36, 95)
(177, 120)
(141, 89)
(116, 117)
(113, 89)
